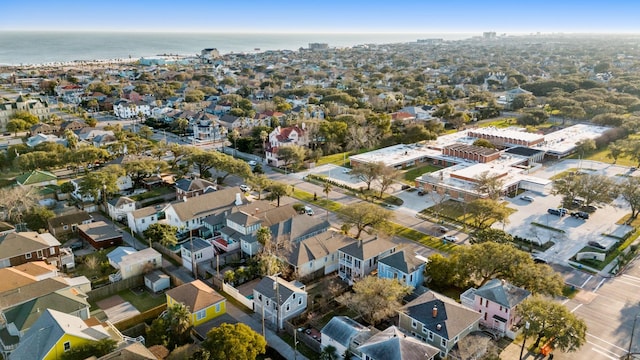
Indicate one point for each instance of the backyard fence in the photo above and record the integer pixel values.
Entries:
(237, 295)
(114, 288)
(141, 318)
(312, 343)
(164, 251)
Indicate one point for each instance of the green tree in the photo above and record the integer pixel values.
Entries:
(143, 168)
(553, 321)
(490, 184)
(632, 150)
(364, 216)
(615, 150)
(178, 320)
(37, 217)
(91, 122)
(368, 172)
(164, 234)
(585, 146)
(490, 234)
(145, 132)
(72, 139)
(291, 155)
(193, 96)
(93, 348)
(484, 143)
(278, 190)
(388, 177)
(234, 342)
(326, 189)
(374, 298)
(329, 353)
(259, 182)
(182, 124)
(16, 125)
(630, 192)
(26, 116)
(97, 182)
(483, 211)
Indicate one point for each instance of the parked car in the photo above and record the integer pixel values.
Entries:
(580, 215)
(633, 168)
(538, 260)
(346, 171)
(596, 245)
(557, 212)
(245, 188)
(405, 187)
(421, 192)
(252, 163)
(76, 245)
(526, 198)
(308, 211)
(451, 238)
(442, 229)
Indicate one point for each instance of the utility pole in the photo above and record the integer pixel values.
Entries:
(526, 330)
(633, 330)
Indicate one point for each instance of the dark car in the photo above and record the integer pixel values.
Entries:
(421, 193)
(76, 245)
(557, 212)
(580, 215)
(405, 187)
(596, 245)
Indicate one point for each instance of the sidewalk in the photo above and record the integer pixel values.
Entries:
(272, 339)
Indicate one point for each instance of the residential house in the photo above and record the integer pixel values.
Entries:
(393, 344)
(344, 334)
(55, 333)
(132, 351)
(230, 122)
(203, 302)
(23, 247)
(157, 281)
(100, 234)
(496, 301)
(193, 187)
(19, 319)
(116, 255)
(6, 228)
(196, 250)
(140, 220)
(277, 300)
(72, 125)
(407, 268)
(360, 258)
(189, 214)
(33, 106)
(208, 130)
(43, 128)
(37, 178)
(126, 109)
(39, 270)
(138, 263)
(38, 139)
(280, 137)
(67, 223)
(70, 93)
(316, 254)
(438, 320)
(120, 207)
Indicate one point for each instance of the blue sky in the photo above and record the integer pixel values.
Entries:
(327, 16)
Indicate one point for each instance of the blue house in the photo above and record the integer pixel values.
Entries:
(407, 268)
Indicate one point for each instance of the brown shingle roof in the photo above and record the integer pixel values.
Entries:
(196, 295)
(16, 244)
(207, 204)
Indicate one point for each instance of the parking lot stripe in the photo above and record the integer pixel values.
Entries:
(601, 352)
(586, 281)
(634, 278)
(604, 341)
(629, 283)
(576, 308)
(599, 284)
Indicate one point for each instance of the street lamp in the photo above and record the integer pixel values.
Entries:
(526, 330)
(633, 330)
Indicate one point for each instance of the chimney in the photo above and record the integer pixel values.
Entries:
(434, 311)
(438, 327)
(184, 198)
(238, 199)
(257, 210)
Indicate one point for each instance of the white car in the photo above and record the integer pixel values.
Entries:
(253, 163)
(245, 188)
(526, 198)
(451, 238)
(308, 211)
(346, 171)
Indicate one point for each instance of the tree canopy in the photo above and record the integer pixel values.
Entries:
(92, 348)
(365, 217)
(234, 342)
(374, 298)
(164, 234)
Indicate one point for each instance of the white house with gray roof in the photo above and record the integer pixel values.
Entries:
(345, 334)
(393, 344)
(406, 268)
(139, 220)
(496, 301)
(278, 300)
(360, 258)
(438, 320)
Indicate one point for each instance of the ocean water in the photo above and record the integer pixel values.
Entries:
(24, 48)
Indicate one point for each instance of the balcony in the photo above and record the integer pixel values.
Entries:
(8, 342)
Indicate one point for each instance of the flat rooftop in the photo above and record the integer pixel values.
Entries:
(564, 141)
(396, 154)
(510, 132)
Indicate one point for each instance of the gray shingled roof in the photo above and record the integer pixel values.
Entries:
(208, 204)
(501, 293)
(66, 300)
(366, 249)
(402, 261)
(343, 329)
(285, 289)
(316, 247)
(451, 316)
(392, 344)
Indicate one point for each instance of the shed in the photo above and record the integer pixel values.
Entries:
(157, 281)
(100, 234)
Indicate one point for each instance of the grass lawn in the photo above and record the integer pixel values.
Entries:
(601, 155)
(635, 223)
(322, 200)
(144, 301)
(563, 173)
(412, 174)
(340, 159)
(455, 211)
(95, 273)
(153, 193)
(500, 123)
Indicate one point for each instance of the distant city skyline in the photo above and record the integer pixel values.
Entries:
(328, 16)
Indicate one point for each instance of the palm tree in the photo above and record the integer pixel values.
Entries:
(178, 319)
(263, 235)
(326, 189)
(263, 136)
(329, 353)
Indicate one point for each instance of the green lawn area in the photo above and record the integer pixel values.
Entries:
(95, 270)
(322, 200)
(500, 123)
(455, 211)
(153, 193)
(635, 223)
(340, 159)
(601, 155)
(563, 173)
(411, 174)
(144, 301)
